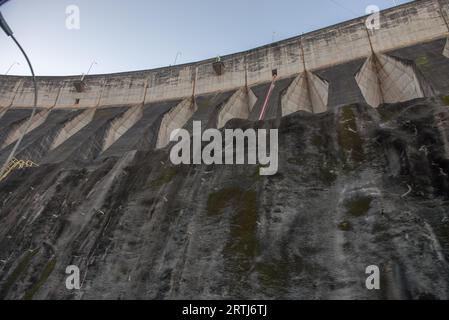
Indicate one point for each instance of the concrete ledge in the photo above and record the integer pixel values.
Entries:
(308, 92)
(239, 106)
(121, 125)
(384, 79)
(38, 119)
(176, 118)
(72, 127)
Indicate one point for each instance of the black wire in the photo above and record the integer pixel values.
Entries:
(33, 112)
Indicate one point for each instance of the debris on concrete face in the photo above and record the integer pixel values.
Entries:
(408, 192)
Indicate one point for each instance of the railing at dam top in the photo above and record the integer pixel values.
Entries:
(405, 25)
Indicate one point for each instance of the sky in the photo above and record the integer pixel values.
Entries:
(145, 34)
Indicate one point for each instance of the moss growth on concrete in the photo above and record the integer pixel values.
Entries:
(43, 278)
(165, 177)
(358, 206)
(275, 274)
(217, 201)
(203, 103)
(255, 175)
(422, 61)
(445, 100)
(385, 114)
(242, 245)
(21, 268)
(317, 141)
(345, 226)
(349, 139)
(327, 176)
(296, 161)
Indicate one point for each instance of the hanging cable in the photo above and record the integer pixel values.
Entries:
(344, 7)
(9, 33)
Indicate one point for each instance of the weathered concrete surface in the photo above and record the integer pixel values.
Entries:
(407, 25)
(143, 134)
(239, 106)
(446, 49)
(36, 144)
(140, 228)
(176, 118)
(86, 144)
(25, 126)
(122, 124)
(273, 109)
(384, 79)
(356, 185)
(73, 126)
(308, 93)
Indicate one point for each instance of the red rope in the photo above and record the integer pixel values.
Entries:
(262, 113)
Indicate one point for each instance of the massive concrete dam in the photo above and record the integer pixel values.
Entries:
(363, 173)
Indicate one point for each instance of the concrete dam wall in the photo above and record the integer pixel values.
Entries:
(347, 63)
(406, 58)
(363, 123)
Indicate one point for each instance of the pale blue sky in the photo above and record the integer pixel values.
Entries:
(143, 34)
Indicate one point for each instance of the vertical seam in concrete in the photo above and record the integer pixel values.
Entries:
(194, 83)
(246, 91)
(145, 91)
(442, 15)
(246, 72)
(101, 93)
(369, 40)
(57, 97)
(303, 58)
(15, 94)
(376, 66)
(307, 85)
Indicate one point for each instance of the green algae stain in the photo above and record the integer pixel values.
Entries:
(43, 278)
(358, 206)
(445, 100)
(345, 226)
(349, 139)
(203, 103)
(327, 176)
(242, 245)
(165, 177)
(274, 274)
(422, 61)
(21, 268)
(255, 175)
(296, 161)
(317, 141)
(219, 200)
